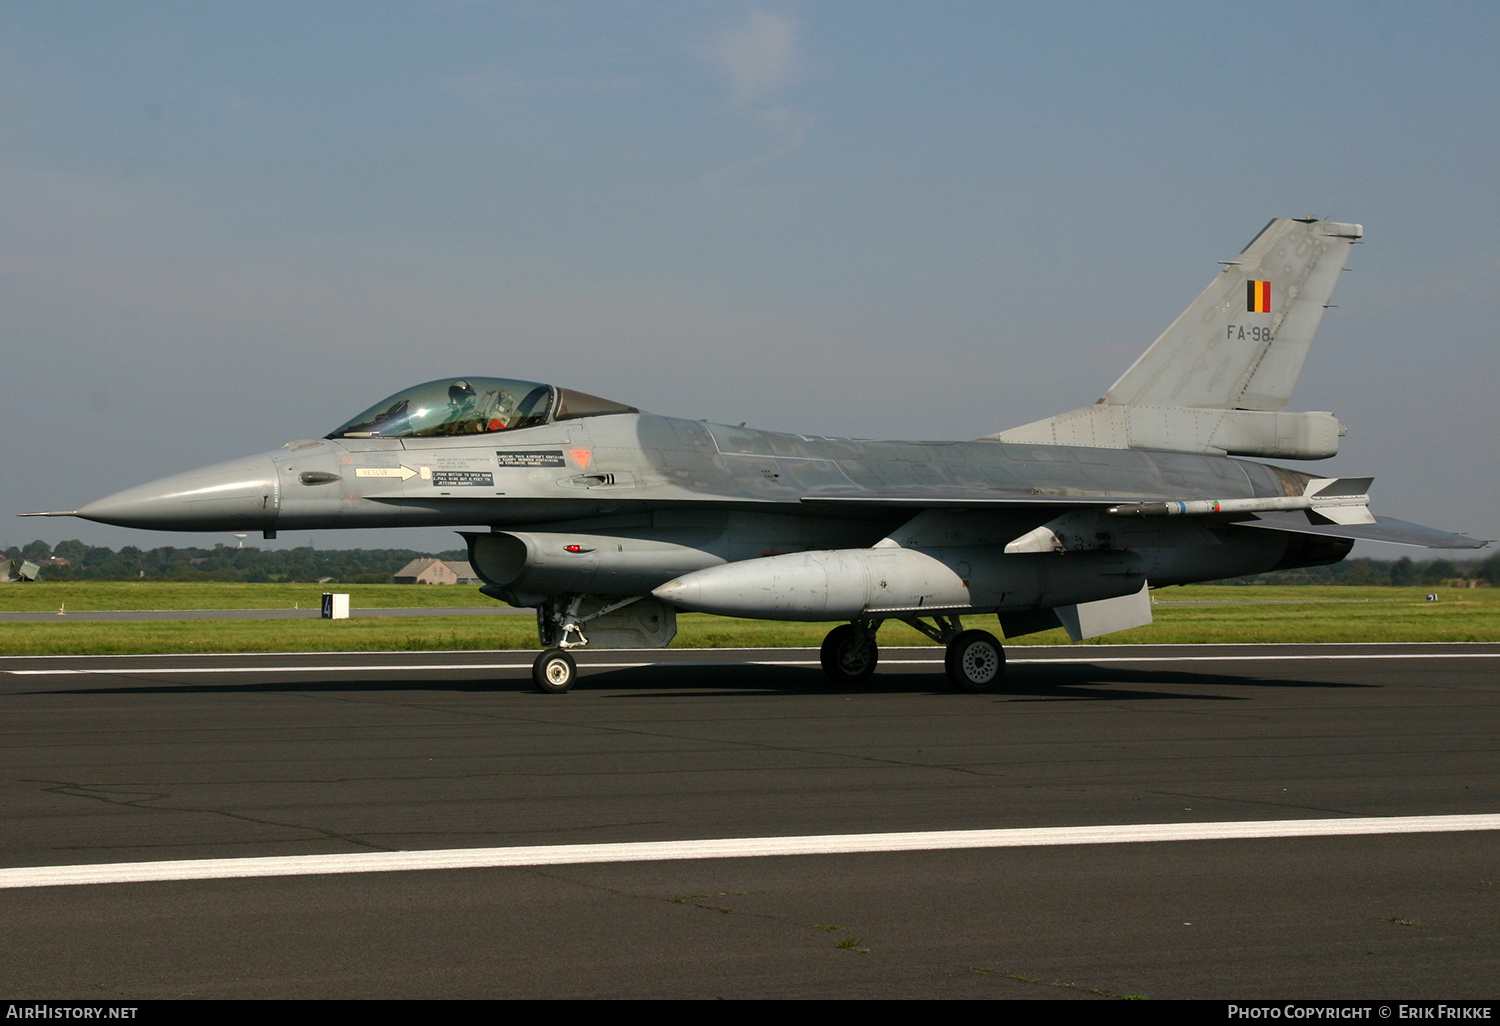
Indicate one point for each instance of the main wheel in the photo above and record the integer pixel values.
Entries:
(849, 654)
(975, 661)
(554, 672)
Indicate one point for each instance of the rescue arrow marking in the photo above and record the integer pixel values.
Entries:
(402, 472)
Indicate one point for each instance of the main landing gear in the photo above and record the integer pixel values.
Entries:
(849, 653)
(975, 660)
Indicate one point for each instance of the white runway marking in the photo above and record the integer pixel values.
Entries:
(346, 668)
(1099, 657)
(726, 848)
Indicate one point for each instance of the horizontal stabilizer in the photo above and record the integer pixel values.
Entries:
(1384, 529)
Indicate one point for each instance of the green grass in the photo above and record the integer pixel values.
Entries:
(46, 596)
(1259, 615)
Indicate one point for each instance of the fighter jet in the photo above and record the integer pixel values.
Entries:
(608, 520)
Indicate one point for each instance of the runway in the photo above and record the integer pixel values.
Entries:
(112, 761)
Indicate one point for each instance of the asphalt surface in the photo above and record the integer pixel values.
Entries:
(147, 758)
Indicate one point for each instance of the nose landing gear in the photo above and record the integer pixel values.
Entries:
(554, 672)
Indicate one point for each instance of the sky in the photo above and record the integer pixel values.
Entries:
(227, 226)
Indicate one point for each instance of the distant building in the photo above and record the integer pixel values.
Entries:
(18, 570)
(437, 571)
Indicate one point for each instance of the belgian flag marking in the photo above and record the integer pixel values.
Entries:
(1258, 296)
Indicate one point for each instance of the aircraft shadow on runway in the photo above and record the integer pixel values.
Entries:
(1073, 681)
(1028, 682)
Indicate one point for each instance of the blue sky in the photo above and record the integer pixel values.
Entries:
(230, 225)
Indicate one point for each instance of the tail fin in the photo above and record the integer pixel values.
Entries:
(1218, 380)
(1242, 343)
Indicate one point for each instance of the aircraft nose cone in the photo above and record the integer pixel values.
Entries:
(237, 495)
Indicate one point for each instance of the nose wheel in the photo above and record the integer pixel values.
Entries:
(975, 661)
(554, 672)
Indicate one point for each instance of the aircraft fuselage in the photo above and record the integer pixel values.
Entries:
(709, 494)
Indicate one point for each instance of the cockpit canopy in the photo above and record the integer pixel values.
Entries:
(473, 406)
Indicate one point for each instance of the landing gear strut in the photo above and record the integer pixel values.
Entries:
(559, 625)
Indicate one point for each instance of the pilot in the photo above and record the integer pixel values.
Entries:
(461, 419)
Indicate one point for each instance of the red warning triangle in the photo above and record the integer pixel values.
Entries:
(582, 456)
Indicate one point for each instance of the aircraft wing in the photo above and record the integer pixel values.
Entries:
(1330, 507)
(1385, 529)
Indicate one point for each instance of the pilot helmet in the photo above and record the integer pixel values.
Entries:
(460, 392)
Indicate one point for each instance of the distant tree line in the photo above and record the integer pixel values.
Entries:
(378, 566)
(220, 563)
(1398, 573)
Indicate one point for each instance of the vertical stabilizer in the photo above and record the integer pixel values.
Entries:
(1242, 343)
(1218, 380)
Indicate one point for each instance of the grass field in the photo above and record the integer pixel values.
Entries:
(78, 596)
(1242, 615)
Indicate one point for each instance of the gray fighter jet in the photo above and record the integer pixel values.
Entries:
(608, 520)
